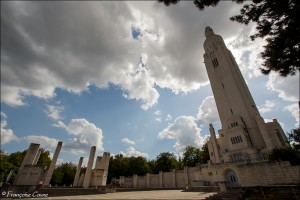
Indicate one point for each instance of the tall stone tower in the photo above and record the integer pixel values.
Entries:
(244, 134)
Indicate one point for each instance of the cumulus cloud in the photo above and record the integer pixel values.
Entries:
(44, 141)
(131, 151)
(7, 135)
(72, 45)
(247, 53)
(267, 106)
(128, 141)
(287, 87)
(54, 111)
(294, 110)
(185, 131)
(84, 135)
(169, 117)
(157, 115)
(207, 111)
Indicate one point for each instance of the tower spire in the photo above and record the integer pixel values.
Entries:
(208, 32)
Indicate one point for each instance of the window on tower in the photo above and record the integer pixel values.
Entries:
(214, 59)
(236, 140)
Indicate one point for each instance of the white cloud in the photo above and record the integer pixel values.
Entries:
(247, 52)
(131, 151)
(207, 111)
(185, 131)
(93, 46)
(7, 135)
(85, 135)
(169, 117)
(157, 115)
(128, 141)
(44, 141)
(294, 109)
(287, 87)
(267, 106)
(54, 111)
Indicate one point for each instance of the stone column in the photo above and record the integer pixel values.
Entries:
(52, 165)
(87, 176)
(174, 178)
(148, 180)
(160, 177)
(80, 181)
(135, 182)
(186, 175)
(76, 179)
(122, 181)
(98, 162)
(28, 159)
(36, 159)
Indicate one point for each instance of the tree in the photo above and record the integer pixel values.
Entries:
(166, 162)
(191, 156)
(204, 155)
(64, 174)
(285, 154)
(294, 137)
(138, 165)
(277, 22)
(5, 165)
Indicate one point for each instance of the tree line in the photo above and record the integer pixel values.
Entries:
(120, 165)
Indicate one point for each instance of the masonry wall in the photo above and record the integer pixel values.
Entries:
(275, 173)
(254, 174)
(154, 181)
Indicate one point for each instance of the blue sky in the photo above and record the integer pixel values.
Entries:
(127, 77)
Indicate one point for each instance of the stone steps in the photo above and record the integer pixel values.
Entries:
(276, 193)
(232, 194)
(203, 189)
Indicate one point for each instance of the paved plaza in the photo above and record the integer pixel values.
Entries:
(156, 194)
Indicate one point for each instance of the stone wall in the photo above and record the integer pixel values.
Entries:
(267, 173)
(252, 174)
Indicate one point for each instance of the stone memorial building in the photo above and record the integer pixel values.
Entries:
(239, 152)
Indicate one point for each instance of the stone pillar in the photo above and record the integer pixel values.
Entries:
(186, 176)
(174, 178)
(122, 181)
(30, 155)
(76, 179)
(160, 177)
(80, 181)
(52, 165)
(135, 181)
(215, 146)
(148, 180)
(104, 164)
(36, 159)
(87, 176)
(98, 162)
(28, 159)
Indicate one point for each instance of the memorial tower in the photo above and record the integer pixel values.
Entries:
(244, 134)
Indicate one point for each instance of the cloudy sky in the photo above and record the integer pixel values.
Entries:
(127, 77)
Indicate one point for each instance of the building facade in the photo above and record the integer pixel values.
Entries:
(244, 135)
(239, 152)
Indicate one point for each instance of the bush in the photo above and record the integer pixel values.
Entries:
(285, 154)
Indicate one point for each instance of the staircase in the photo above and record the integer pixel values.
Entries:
(231, 194)
(274, 193)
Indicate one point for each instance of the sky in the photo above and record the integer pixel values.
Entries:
(125, 76)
